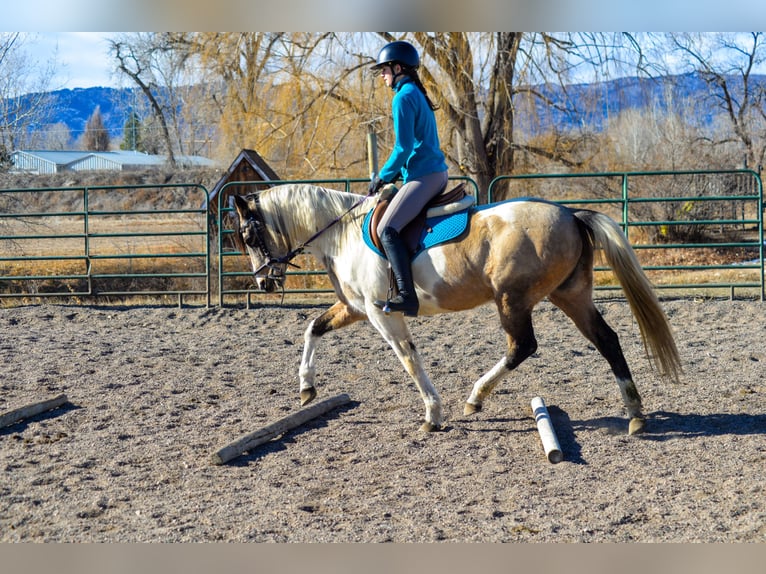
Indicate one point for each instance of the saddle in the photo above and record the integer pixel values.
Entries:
(443, 205)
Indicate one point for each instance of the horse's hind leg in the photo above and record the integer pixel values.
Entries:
(521, 344)
(336, 317)
(580, 308)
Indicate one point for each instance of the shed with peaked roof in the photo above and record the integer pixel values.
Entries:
(248, 166)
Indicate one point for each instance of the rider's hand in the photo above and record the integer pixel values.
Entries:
(375, 185)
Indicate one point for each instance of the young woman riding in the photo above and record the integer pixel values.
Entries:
(416, 158)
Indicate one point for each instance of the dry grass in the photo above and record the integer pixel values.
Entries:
(120, 256)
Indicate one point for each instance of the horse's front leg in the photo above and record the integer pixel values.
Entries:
(336, 317)
(397, 335)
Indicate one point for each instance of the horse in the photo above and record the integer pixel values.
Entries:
(514, 253)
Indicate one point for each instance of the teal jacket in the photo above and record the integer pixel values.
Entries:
(416, 151)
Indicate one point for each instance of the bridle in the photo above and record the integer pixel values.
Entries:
(254, 227)
(253, 234)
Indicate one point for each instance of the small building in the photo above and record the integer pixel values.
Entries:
(46, 161)
(43, 161)
(248, 166)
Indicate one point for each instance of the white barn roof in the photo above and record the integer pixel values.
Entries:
(45, 161)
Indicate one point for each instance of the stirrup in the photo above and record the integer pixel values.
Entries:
(398, 305)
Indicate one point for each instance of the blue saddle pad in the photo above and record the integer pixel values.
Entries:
(437, 230)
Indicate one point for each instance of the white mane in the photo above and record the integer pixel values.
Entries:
(298, 211)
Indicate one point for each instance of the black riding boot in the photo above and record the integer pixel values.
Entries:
(399, 258)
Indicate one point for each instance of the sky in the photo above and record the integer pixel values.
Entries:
(82, 57)
(83, 61)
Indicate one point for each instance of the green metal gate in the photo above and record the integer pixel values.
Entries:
(80, 242)
(694, 231)
(706, 227)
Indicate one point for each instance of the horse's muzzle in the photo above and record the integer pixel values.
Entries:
(269, 277)
(269, 284)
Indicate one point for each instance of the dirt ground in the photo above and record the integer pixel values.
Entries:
(153, 391)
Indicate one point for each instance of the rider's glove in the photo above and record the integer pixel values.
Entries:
(375, 185)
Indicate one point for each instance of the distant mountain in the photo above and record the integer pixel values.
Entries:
(605, 100)
(592, 105)
(74, 107)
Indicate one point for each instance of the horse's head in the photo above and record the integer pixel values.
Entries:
(252, 237)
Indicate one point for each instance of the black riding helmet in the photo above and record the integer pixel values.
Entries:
(399, 52)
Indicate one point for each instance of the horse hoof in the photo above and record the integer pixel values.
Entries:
(308, 395)
(430, 427)
(636, 425)
(470, 409)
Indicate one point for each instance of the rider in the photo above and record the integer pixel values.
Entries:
(416, 158)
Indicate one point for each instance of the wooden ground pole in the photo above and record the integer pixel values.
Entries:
(249, 441)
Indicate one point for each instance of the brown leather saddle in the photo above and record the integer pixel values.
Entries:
(448, 201)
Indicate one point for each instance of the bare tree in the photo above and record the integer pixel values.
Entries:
(56, 136)
(24, 84)
(293, 97)
(240, 67)
(727, 62)
(149, 60)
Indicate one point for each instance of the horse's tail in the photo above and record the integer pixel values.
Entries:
(605, 234)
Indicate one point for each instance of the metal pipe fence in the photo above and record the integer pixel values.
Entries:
(78, 243)
(694, 231)
(708, 224)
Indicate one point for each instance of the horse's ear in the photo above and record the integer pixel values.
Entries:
(242, 207)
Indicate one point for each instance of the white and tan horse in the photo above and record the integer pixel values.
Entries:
(513, 253)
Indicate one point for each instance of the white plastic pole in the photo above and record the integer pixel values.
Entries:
(372, 151)
(547, 434)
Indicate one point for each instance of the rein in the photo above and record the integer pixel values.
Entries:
(272, 262)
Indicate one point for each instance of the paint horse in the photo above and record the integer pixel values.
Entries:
(513, 253)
